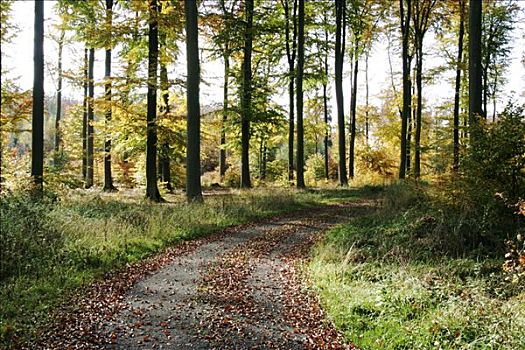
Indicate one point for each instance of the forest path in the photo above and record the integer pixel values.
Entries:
(239, 289)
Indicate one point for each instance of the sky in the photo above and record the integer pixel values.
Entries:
(18, 60)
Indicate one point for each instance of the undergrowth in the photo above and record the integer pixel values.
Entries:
(424, 272)
(53, 245)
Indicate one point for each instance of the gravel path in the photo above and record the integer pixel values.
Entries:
(240, 289)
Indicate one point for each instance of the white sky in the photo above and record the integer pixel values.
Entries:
(18, 60)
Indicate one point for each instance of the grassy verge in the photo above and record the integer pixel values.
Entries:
(50, 247)
(404, 279)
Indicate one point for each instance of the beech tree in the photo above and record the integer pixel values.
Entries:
(193, 169)
(37, 131)
(108, 178)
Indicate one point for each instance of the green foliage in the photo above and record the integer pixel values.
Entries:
(401, 279)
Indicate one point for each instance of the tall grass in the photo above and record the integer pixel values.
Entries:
(421, 274)
(53, 245)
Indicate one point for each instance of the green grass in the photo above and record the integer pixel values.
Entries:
(396, 280)
(51, 247)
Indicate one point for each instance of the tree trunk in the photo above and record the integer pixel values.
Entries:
(85, 118)
(152, 190)
(37, 141)
(247, 97)
(353, 106)
(475, 110)
(459, 65)
(222, 151)
(300, 128)
(59, 96)
(419, 108)
(405, 29)
(108, 178)
(193, 167)
(90, 120)
(290, 54)
(367, 105)
(340, 6)
(410, 121)
(325, 106)
(164, 154)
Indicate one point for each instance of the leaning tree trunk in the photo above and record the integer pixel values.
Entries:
(459, 65)
(353, 106)
(152, 190)
(193, 174)
(247, 97)
(90, 120)
(59, 96)
(300, 127)
(339, 54)
(37, 132)
(108, 178)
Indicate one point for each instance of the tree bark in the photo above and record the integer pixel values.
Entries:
(37, 132)
(193, 168)
(419, 109)
(300, 127)
(353, 106)
(85, 118)
(405, 29)
(475, 110)
(108, 178)
(459, 65)
(325, 104)
(340, 6)
(152, 190)
(58, 115)
(247, 97)
(222, 150)
(290, 55)
(90, 120)
(164, 154)
(367, 105)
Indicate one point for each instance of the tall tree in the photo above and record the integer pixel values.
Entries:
(90, 120)
(300, 127)
(108, 178)
(85, 116)
(474, 54)
(193, 168)
(325, 98)
(37, 143)
(340, 33)
(58, 114)
(164, 154)
(459, 65)
(420, 17)
(291, 52)
(405, 34)
(152, 190)
(247, 96)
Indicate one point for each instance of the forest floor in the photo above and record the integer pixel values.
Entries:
(240, 288)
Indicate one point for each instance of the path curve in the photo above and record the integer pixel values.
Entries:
(240, 289)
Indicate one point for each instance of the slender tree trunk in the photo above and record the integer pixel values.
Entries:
(164, 153)
(290, 54)
(152, 190)
(247, 97)
(108, 178)
(90, 120)
(340, 7)
(410, 121)
(85, 118)
(222, 151)
(419, 107)
(353, 106)
(475, 110)
(37, 141)
(300, 128)
(405, 28)
(367, 105)
(193, 166)
(59, 96)
(459, 65)
(265, 159)
(325, 106)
